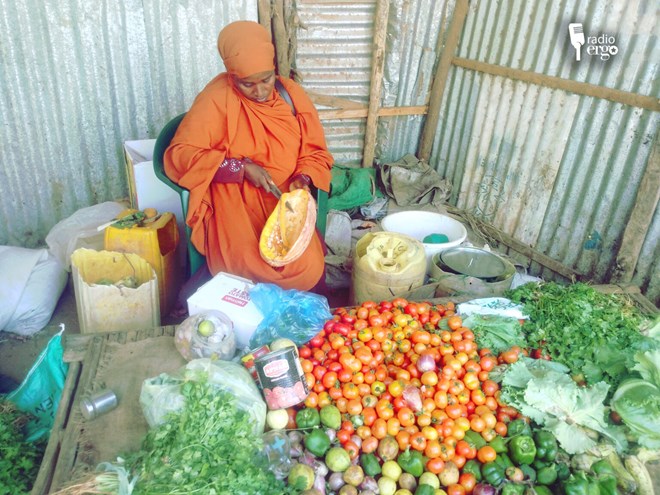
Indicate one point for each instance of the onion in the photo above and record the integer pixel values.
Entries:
(369, 484)
(425, 363)
(319, 483)
(413, 397)
(296, 450)
(336, 481)
(483, 489)
(332, 434)
(295, 436)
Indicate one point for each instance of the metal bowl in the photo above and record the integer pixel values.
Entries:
(474, 262)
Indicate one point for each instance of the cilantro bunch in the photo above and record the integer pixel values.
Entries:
(19, 459)
(209, 447)
(592, 333)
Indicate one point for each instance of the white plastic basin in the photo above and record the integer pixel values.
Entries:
(419, 224)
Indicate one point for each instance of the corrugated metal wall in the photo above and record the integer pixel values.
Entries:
(78, 79)
(556, 170)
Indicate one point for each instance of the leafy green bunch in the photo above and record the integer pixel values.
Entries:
(19, 459)
(594, 334)
(207, 448)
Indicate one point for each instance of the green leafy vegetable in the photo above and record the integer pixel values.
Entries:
(590, 332)
(553, 400)
(494, 332)
(209, 447)
(19, 459)
(637, 401)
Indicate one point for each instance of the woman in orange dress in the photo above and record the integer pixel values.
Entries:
(240, 135)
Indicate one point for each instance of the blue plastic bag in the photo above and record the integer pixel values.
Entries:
(292, 314)
(39, 394)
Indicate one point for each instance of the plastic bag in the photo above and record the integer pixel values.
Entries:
(161, 395)
(39, 394)
(291, 314)
(79, 230)
(31, 282)
(196, 339)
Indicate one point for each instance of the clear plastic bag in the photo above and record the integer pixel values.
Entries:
(161, 395)
(292, 314)
(206, 335)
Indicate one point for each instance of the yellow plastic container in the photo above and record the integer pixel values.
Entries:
(105, 307)
(156, 242)
(386, 265)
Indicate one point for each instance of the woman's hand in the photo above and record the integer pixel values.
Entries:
(256, 174)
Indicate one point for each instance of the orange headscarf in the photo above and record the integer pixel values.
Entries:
(246, 48)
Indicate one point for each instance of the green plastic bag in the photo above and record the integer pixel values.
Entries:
(39, 394)
(352, 187)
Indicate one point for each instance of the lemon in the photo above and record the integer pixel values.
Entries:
(205, 328)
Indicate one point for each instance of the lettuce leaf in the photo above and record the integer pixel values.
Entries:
(495, 332)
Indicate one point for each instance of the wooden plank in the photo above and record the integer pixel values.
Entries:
(440, 79)
(68, 449)
(641, 217)
(281, 39)
(582, 88)
(362, 113)
(377, 65)
(48, 465)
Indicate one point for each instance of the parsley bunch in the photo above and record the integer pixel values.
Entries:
(208, 448)
(592, 333)
(19, 459)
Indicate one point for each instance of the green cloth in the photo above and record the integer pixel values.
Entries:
(351, 187)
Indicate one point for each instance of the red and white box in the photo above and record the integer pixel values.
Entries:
(231, 295)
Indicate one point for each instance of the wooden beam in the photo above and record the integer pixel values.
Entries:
(335, 102)
(361, 113)
(582, 88)
(263, 9)
(641, 217)
(281, 39)
(440, 79)
(377, 63)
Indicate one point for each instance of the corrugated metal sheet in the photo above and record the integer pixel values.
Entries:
(558, 171)
(78, 79)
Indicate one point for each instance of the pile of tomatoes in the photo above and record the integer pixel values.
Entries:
(410, 371)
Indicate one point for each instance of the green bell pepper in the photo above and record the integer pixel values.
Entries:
(538, 464)
(504, 461)
(425, 490)
(518, 427)
(492, 473)
(603, 467)
(308, 418)
(546, 445)
(522, 449)
(563, 471)
(370, 464)
(546, 475)
(474, 439)
(513, 489)
(498, 444)
(330, 416)
(581, 484)
(412, 462)
(541, 490)
(529, 472)
(317, 442)
(473, 467)
(607, 485)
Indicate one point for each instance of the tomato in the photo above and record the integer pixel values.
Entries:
(489, 387)
(432, 449)
(369, 444)
(384, 409)
(369, 415)
(343, 436)
(454, 322)
(317, 341)
(487, 363)
(510, 356)
(456, 489)
(467, 481)
(379, 428)
(417, 441)
(486, 454)
(393, 426)
(435, 466)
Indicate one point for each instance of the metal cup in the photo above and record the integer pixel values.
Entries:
(97, 404)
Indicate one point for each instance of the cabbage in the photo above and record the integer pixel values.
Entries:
(637, 400)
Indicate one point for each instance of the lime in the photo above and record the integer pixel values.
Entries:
(205, 328)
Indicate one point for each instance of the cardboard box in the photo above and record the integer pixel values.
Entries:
(229, 294)
(105, 307)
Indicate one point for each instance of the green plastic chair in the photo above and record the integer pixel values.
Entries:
(195, 259)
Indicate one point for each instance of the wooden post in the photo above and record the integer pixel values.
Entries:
(641, 217)
(263, 8)
(281, 39)
(440, 79)
(377, 63)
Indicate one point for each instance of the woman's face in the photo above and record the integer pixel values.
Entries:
(257, 87)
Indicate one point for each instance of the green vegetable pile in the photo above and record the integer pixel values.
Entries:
(209, 447)
(594, 334)
(494, 332)
(19, 459)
